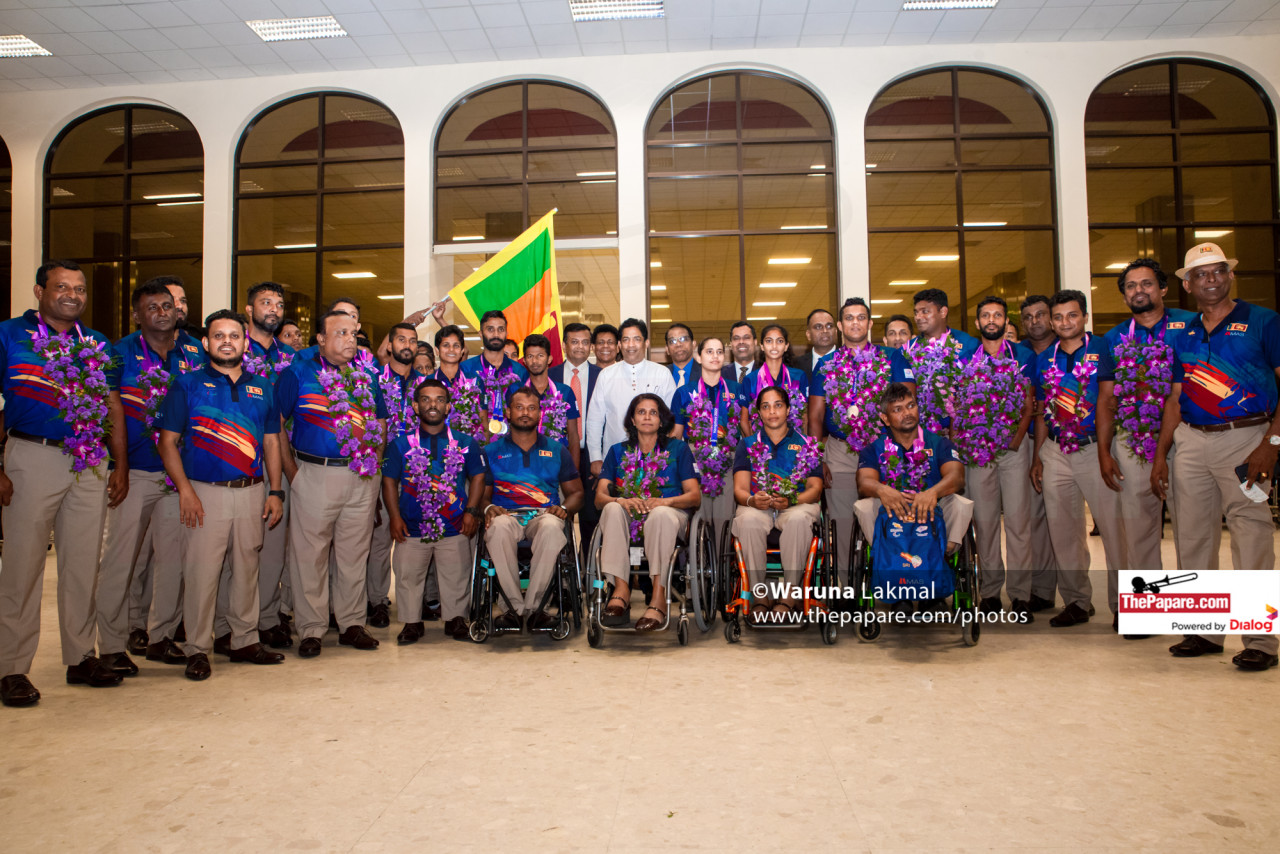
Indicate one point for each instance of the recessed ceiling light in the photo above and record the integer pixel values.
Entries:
(763, 304)
(355, 275)
(295, 246)
(472, 337)
(885, 301)
(596, 174)
(802, 227)
(657, 287)
(908, 283)
(177, 204)
(790, 260)
(614, 10)
(817, 166)
(172, 196)
(657, 305)
(1119, 265)
(390, 296)
(655, 264)
(770, 317)
(872, 165)
(457, 237)
(661, 320)
(984, 224)
(1213, 235)
(777, 284)
(933, 5)
(11, 46)
(938, 258)
(600, 181)
(292, 29)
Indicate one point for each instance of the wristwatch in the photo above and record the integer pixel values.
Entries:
(475, 511)
(277, 493)
(1274, 440)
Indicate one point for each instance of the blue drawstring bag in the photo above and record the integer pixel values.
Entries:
(908, 560)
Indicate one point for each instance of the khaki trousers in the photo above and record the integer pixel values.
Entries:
(126, 531)
(662, 527)
(140, 583)
(1044, 566)
(377, 583)
(47, 497)
(1142, 512)
(1204, 478)
(751, 526)
(411, 560)
(272, 575)
(1070, 481)
(332, 505)
(546, 537)
(957, 513)
(166, 570)
(843, 494)
(1003, 488)
(232, 531)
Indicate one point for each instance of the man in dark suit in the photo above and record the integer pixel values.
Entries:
(580, 376)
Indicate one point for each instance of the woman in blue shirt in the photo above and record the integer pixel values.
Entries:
(712, 454)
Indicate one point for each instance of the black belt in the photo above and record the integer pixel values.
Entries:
(238, 483)
(39, 440)
(321, 461)
(1236, 423)
(1083, 441)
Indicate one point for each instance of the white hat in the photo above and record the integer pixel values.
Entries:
(1205, 253)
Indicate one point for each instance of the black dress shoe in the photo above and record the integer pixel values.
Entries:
(1020, 610)
(1193, 646)
(1039, 603)
(541, 620)
(138, 641)
(256, 653)
(198, 668)
(411, 633)
(91, 671)
(17, 690)
(381, 616)
(166, 651)
(286, 623)
(275, 637)
(990, 605)
(1255, 659)
(508, 620)
(180, 633)
(358, 637)
(119, 662)
(309, 647)
(222, 645)
(456, 628)
(430, 610)
(1071, 615)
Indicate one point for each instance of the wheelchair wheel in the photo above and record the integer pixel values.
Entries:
(829, 633)
(733, 631)
(595, 635)
(563, 628)
(481, 601)
(703, 579)
(728, 564)
(869, 631)
(971, 632)
(682, 631)
(860, 579)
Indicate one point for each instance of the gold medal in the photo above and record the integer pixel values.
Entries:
(496, 427)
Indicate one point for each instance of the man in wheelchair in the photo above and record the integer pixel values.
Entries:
(527, 475)
(777, 483)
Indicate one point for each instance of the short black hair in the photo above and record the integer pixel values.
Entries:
(536, 339)
(225, 314)
(168, 280)
(449, 331)
(42, 273)
(269, 287)
(518, 390)
(288, 321)
(607, 329)
(362, 340)
(407, 327)
(1034, 299)
(852, 301)
(666, 421)
(147, 289)
(347, 300)
(894, 393)
(322, 325)
(992, 300)
(680, 325)
(575, 327)
(900, 318)
(1151, 264)
(511, 342)
(432, 382)
(809, 319)
(633, 323)
(741, 323)
(937, 296)
(782, 392)
(490, 315)
(1062, 297)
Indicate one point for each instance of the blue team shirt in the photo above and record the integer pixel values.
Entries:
(784, 456)
(494, 399)
(899, 372)
(531, 479)
(567, 394)
(300, 396)
(30, 400)
(397, 394)
(222, 424)
(939, 449)
(726, 390)
(1174, 321)
(473, 463)
(1070, 395)
(278, 352)
(184, 356)
(678, 469)
(754, 382)
(1230, 372)
(962, 342)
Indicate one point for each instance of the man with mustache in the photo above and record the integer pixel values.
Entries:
(494, 370)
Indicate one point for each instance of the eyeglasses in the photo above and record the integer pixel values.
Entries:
(683, 339)
(826, 326)
(1221, 271)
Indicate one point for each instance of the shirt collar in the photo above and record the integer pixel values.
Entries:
(1238, 313)
(214, 374)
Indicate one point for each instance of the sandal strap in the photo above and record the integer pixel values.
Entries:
(618, 599)
(656, 608)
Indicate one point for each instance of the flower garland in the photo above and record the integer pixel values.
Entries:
(495, 382)
(796, 402)
(937, 370)
(350, 388)
(854, 384)
(1069, 429)
(153, 382)
(712, 453)
(255, 364)
(1144, 379)
(466, 411)
(77, 368)
(554, 422)
(433, 493)
(905, 471)
(988, 406)
(808, 459)
(640, 479)
(399, 399)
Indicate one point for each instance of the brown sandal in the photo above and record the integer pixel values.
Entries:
(649, 624)
(616, 615)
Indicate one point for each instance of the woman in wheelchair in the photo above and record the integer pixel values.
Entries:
(706, 414)
(647, 490)
(777, 483)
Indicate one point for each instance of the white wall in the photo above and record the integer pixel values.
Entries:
(846, 78)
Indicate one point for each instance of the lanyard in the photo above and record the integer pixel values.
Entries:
(1085, 347)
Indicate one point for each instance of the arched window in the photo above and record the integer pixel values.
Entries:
(741, 205)
(124, 197)
(1180, 152)
(507, 155)
(6, 226)
(320, 208)
(960, 192)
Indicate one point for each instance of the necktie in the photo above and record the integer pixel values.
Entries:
(742, 373)
(576, 385)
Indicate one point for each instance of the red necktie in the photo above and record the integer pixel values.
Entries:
(576, 385)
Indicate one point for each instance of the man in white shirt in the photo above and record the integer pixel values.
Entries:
(617, 387)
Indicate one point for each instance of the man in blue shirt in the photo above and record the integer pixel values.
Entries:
(407, 520)
(537, 357)
(680, 350)
(334, 491)
(41, 494)
(1037, 336)
(1064, 467)
(494, 369)
(1222, 415)
(527, 474)
(229, 428)
(932, 312)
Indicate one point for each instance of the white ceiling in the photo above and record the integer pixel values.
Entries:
(111, 43)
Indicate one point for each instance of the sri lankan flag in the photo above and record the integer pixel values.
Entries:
(521, 282)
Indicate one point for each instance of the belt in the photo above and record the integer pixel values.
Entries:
(39, 440)
(321, 461)
(1246, 421)
(1083, 441)
(238, 483)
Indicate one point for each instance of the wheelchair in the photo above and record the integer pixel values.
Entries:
(692, 583)
(819, 572)
(564, 590)
(964, 601)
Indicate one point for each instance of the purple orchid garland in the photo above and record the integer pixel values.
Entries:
(466, 412)
(77, 369)
(400, 415)
(154, 383)
(351, 389)
(433, 493)
(554, 422)
(988, 407)
(905, 471)
(1144, 380)
(808, 459)
(796, 402)
(937, 371)
(712, 453)
(255, 364)
(640, 479)
(1069, 429)
(854, 384)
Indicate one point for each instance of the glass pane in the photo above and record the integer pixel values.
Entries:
(591, 163)
(1018, 198)
(164, 140)
(792, 157)
(108, 307)
(1005, 152)
(351, 219)
(561, 117)
(1235, 146)
(911, 155)
(377, 316)
(479, 167)
(774, 108)
(896, 270)
(1214, 97)
(788, 202)
(993, 104)
(479, 213)
(492, 119)
(1254, 247)
(694, 159)
(921, 106)
(1111, 249)
(1130, 195)
(288, 132)
(815, 281)
(166, 186)
(911, 200)
(693, 204)
(1009, 264)
(166, 228)
(277, 179)
(1108, 309)
(1259, 290)
(589, 285)
(1129, 149)
(94, 145)
(355, 127)
(1222, 194)
(190, 270)
(702, 279)
(270, 223)
(86, 233)
(74, 191)
(702, 110)
(365, 175)
(1131, 100)
(587, 208)
(296, 271)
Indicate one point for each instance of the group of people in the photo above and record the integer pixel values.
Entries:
(226, 493)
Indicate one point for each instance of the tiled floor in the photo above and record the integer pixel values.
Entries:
(1035, 739)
